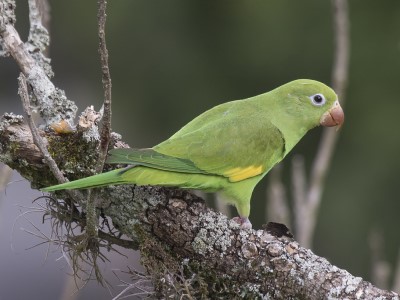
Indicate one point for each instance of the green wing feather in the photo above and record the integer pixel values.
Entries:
(237, 146)
(152, 159)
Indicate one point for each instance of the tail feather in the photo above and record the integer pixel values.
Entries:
(108, 178)
(141, 175)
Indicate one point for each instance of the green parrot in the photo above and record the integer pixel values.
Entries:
(228, 148)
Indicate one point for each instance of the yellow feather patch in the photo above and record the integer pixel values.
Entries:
(238, 174)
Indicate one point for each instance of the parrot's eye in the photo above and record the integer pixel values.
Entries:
(318, 99)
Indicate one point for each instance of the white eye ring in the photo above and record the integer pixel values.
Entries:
(318, 99)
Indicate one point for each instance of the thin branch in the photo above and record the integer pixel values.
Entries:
(277, 205)
(128, 244)
(44, 8)
(299, 186)
(37, 139)
(342, 47)
(7, 16)
(38, 34)
(92, 220)
(329, 137)
(380, 268)
(105, 131)
(54, 106)
(12, 43)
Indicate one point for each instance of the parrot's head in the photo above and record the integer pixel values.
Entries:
(312, 102)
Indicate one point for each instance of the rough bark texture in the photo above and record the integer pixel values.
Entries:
(187, 247)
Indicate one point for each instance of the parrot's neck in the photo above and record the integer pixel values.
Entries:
(292, 131)
(292, 128)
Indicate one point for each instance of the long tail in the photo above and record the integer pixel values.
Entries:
(108, 178)
(145, 176)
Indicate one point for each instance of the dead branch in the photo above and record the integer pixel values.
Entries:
(105, 131)
(307, 217)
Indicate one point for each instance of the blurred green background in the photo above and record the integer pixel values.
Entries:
(171, 60)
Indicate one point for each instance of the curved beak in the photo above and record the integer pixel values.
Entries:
(333, 117)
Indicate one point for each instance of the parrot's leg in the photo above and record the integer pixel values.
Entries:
(239, 194)
(243, 222)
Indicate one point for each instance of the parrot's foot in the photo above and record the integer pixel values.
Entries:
(243, 222)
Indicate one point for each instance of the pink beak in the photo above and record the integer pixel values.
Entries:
(333, 117)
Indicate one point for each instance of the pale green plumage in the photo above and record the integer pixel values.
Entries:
(228, 148)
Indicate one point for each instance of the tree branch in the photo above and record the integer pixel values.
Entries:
(52, 102)
(178, 231)
(105, 131)
(277, 205)
(329, 137)
(37, 139)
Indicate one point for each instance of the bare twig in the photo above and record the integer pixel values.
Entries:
(342, 47)
(380, 268)
(44, 8)
(277, 206)
(7, 16)
(12, 43)
(38, 34)
(53, 105)
(329, 137)
(299, 186)
(105, 131)
(92, 220)
(37, 139)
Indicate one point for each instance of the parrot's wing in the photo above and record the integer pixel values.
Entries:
(237, 148)
(151, 158)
